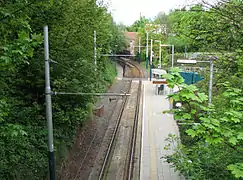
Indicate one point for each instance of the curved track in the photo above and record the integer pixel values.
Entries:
(88, 156)
(136, 71)
(128, 172)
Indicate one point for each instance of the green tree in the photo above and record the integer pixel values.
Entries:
(211, 135)
(22, 112)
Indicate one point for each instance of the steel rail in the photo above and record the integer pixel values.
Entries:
(108, 155)
(111, 144)
(141, 74)
(92, 141)
(134, 134)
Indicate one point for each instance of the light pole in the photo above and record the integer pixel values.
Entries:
(147, 51)
(151, 58)
(159, 52)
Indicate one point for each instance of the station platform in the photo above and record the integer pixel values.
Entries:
(156, 127)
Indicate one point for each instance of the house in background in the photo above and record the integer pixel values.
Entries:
(131, 37)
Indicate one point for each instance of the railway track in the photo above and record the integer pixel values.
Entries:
(136, 71)
(112, 142)
(134, 134)
(88, 142)
(108, 171)
(99, 145)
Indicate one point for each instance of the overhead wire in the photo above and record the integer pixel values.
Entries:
(93, 94)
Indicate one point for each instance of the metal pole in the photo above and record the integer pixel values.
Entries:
(210, 83)
(151, 52)
(172, 65)
(185, 52)
(160, 54)
(172, 58)
(139, 50)
(95, 52)
(49, 107)
(151, 59)
(147, 52)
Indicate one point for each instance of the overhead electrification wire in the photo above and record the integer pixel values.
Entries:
(92, 94)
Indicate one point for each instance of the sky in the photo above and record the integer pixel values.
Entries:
(128, 11)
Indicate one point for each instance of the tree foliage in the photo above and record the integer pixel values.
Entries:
(211, 135)
(22, 105)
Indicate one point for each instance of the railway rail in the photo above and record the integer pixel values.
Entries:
(95, 139)
(112, 142)
(95, 164)
(136, 71)
(134, 134)
(128, 168)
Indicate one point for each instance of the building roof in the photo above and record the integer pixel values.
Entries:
(131, 35)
